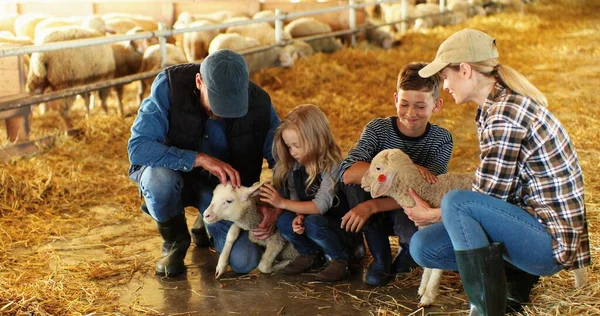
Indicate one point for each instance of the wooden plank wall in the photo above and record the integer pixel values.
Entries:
(167, 11)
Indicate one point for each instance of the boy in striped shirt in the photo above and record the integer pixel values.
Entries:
(428, 145)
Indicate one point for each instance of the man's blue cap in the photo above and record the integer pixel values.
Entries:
(225, 74)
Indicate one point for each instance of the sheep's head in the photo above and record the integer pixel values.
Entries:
(384, 167)
(229, 203)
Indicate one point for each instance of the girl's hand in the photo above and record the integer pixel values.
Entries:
(298, 224)
(269, 194)
(422, 213)
(427, 175)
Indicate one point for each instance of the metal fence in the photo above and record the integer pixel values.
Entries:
(162, 33)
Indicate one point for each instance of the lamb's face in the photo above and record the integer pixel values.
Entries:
(380, 177)
(226, 204)
(376, 171)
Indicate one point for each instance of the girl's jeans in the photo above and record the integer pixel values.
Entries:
(472, 220)
(167, 192)
(320, 232)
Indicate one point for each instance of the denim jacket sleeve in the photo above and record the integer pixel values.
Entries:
(268, 147)
(148, 133)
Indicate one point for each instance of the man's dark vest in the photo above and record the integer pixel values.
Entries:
(245, 135)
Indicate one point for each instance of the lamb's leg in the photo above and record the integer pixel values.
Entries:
(232, 236)
(281, 264)
(581, 277)
(88, 99)
(103, 94)
(64, 109)
(433, 287)
(274, 247)
(141, 90)
(119, 92)
(424, 281)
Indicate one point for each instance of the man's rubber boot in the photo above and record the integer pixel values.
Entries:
(176, 241)
(199, 233)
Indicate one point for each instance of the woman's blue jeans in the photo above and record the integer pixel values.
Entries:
(167, 192)
(320, 232)
(472, 220)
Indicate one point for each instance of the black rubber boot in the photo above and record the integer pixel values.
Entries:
(518, 287)
(378, 272)
(357, 251)
(176, 241)
(482, 274)
(199, 233)
(403, 261)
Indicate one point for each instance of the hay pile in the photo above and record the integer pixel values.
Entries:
(55, 196)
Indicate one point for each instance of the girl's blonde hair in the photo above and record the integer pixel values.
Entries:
(321, 152)
(510, 77)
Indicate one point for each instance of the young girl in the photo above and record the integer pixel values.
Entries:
(527, 202)
(306, 173)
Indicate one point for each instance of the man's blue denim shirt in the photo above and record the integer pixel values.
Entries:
(148, 133)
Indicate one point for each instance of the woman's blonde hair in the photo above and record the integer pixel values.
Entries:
(321, 152)
(509, 77)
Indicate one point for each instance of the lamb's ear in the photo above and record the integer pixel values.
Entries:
(252, 191)
(382, 183)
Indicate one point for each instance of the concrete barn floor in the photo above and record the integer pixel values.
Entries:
(196, 292)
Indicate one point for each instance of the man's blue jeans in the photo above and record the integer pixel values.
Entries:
(473, 220)
(167, 192)
(320, 232)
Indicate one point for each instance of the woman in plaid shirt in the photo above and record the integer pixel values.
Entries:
(525, 216)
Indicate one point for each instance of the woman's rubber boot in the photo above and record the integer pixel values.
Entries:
(482, 274)
(378, 272)
(518, 287)
(176, 241)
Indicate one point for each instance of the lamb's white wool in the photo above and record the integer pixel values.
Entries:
(308, 26)
(239, 206)
(392, 173)
(273, 57)
(400, 174)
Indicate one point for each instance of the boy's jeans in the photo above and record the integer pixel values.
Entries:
(473, 220)
(320, 232)
(167, 192)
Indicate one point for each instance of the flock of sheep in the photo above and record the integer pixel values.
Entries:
(57, 70)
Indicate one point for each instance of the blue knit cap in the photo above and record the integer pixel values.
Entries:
(225, 74)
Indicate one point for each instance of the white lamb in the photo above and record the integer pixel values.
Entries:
(400, 174)
(273, 57)
(239, 206)
(263, 32)
(152, 61)
(308, 26)
(57, 70)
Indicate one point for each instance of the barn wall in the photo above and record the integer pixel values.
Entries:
(167, 11)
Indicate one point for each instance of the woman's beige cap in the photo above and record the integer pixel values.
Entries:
(467, 45)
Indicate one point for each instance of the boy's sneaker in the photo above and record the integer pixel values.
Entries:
(337, 270)
(303, 263)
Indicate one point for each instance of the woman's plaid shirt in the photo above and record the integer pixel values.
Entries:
(528, 159)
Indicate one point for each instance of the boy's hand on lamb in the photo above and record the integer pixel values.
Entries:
(267, 225)
(356, 218)
(269, 194)
(422, 214)
(298, 224)
(427, 175)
